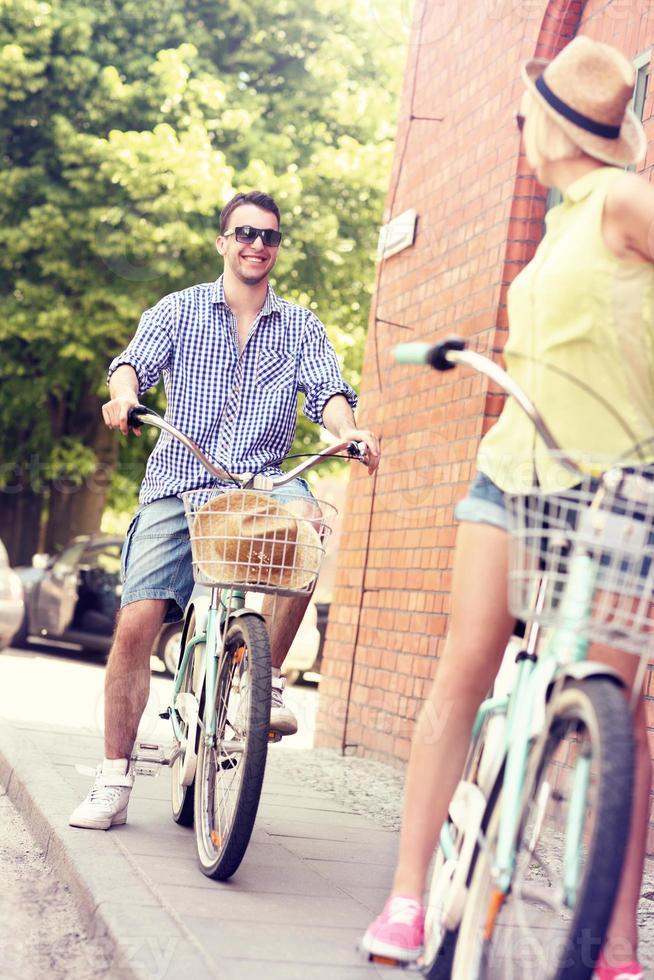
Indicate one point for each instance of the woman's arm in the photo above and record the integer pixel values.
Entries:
(628, 224)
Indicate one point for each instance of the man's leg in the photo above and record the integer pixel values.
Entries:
(156, 573)
(283, 625)
(126, 689)
(284, 615)
(127, 681)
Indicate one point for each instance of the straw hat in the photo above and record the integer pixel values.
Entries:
(244, 537)
(587, 89)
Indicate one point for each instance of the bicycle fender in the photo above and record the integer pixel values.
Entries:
(540, 683)
(247, 612)
(493, 755)
(201, 605)
(592, 668)
(544, 678)
(467, 810)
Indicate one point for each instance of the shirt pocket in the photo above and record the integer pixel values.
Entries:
(275, 369)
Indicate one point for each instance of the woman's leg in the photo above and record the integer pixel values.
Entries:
(480, 626)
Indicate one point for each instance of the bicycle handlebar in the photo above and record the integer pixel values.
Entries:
(258, 481)
(452, 351)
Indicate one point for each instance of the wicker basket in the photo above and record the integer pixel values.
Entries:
(252, 540)
(609, 519)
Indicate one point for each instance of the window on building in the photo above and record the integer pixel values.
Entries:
(641, 64)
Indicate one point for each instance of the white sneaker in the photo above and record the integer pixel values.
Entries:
(282, 719)
(106, 804)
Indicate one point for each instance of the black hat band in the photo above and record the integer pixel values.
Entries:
(578, 118)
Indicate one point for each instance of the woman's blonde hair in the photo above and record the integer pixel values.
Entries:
(544, 140)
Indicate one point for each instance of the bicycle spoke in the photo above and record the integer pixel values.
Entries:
(232, 703)
(568, 848)
(233, 767)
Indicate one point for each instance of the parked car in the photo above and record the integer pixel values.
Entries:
(73, 597)
(11, 600)
(306, 648)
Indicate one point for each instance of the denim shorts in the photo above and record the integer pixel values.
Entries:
(483, 504)
(156, 557)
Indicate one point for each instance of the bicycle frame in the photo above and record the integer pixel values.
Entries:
(219, 615)
(567, 645)
(524, 707)
(523, 710)
(218, 619)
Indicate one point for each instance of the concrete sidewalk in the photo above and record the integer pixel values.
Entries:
(312, 877)
(314, 874)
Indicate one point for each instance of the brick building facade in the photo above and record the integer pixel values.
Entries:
(480, 218)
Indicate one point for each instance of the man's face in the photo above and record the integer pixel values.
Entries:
(248, 263)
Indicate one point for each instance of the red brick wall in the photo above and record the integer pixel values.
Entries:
(480, 219)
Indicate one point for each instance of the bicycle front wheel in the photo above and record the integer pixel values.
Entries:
(230, 771)
(182, 779)
(569, 849)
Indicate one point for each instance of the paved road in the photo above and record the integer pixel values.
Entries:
(314, 873)
(41, 933)
(40, 930)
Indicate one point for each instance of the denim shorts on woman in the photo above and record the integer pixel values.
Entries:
(483, 504)
(156, 557)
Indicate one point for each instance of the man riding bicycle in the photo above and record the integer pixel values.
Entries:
(233, 356)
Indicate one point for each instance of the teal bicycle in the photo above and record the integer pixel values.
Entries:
(246, 536)
(529, 859)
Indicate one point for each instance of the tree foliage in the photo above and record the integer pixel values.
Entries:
(125, 125)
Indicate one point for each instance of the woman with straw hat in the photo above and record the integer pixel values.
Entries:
(584, 304)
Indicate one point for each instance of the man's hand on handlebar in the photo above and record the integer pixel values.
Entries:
(372, 451)
(114, 412)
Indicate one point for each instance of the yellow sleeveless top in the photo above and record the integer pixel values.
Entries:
(576, 308)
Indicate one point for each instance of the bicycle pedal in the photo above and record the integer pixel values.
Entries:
(384, 960)
(274, 737)
(148, 758)
(146, 768)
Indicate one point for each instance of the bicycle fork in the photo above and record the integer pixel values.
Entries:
(567, 644)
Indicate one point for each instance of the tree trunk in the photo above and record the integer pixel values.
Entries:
(20, 520)
(77, 509)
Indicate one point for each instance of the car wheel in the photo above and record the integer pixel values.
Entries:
(168, 648)
(19, 639)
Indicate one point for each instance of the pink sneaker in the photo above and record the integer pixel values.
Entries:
(626, 971)
(398, 932)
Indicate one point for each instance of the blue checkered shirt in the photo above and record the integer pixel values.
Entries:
(240, 407)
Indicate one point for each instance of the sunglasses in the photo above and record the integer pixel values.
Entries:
(247, 235)
(519, 121)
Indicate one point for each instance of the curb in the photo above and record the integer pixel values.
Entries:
(144, 939)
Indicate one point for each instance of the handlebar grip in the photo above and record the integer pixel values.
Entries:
(413, 353)
(137, 414)
(435, 355)
(356, 449)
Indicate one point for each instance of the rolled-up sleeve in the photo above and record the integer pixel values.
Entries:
(149, 350)
(320, 375)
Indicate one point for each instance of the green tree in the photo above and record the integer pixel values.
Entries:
(125, 126)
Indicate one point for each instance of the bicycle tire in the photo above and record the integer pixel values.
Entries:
(437, 963)
(182, 797)
(222, 839)
(440, 965)
(598, 705)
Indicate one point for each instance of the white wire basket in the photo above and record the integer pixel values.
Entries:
(249, 539)
(610, 519)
